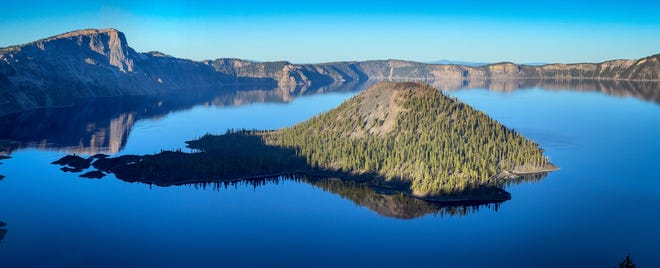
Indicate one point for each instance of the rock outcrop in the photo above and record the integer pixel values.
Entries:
(76, 66)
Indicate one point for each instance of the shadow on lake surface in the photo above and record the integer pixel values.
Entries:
(243, 158)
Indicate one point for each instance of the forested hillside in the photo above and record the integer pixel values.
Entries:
(411, 131)
(405, 137)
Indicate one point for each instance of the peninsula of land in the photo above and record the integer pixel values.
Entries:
(397, 137)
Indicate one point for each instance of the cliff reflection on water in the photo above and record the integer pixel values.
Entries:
(103, 125)
(643, 90)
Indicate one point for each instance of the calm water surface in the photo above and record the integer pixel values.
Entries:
(601, 205)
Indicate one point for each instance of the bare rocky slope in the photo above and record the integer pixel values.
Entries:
(75, 66)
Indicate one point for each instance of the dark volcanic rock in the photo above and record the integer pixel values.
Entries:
(68, 169)
(93, 175)
(99, 156)
(74, 161)
(108, 164)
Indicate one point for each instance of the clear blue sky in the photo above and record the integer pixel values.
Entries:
(322, 31)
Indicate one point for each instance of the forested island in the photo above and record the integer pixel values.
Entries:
(413, 132)
(402, 137)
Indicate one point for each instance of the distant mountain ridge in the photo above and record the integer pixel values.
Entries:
(477, 64)
(79, 65)
(459, 62)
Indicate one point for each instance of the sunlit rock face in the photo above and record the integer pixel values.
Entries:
(69, 68)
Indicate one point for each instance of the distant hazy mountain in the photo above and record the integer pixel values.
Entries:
(477, 64)
(79, 65)
(534, 63)
(457, 62)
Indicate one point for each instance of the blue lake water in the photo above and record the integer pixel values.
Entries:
(601, 205)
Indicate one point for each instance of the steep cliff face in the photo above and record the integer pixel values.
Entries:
(107, 46)
(645, 69)
(74, 59)
(79, 65)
